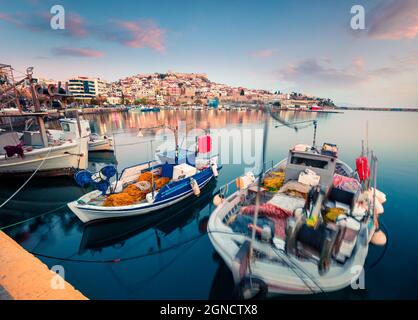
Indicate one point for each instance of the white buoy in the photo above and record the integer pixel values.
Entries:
(217, 200)
(379, 238)
(214, 166)
(195, 187)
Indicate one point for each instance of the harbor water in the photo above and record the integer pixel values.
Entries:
(168, 255)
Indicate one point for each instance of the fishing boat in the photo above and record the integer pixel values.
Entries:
(25, 153)
(37, 152)
(150, 109)
(99, 143)
(95, 143)
(302, 227)
(101, 234)
(145, 109)
(316, 108)
(146, 187)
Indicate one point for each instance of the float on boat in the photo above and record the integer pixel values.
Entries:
(146, 187)
(314, 218)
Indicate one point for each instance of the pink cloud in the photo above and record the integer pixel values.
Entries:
(267, 53)
(134, 34)
(76, 26)
(313, 72)
(11, 18)
(358, 63)
(137, 34)
(394, 20)
(77, 52)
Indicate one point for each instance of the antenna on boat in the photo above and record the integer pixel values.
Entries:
(315, 124)
(37, 105)
(367, 138)
(257, 199)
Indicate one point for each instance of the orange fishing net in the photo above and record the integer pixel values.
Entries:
(132, 194)
(146, 176)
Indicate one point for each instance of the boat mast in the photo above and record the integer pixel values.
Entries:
(37, 106)
(257, 199)
(6, 71)
(176, 138)
(315, 124)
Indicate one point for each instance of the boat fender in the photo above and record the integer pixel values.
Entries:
(150, 198)
(251, 289)
(83, 178)
(214, 168)
(379, 238)
(218, 199)
(195, 187)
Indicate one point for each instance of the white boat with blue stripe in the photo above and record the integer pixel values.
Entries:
(196, 174)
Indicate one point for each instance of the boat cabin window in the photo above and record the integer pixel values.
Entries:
(315, 163)
(65, 127)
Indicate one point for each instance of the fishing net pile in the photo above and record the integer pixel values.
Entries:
(274, 181)
(136, 192)
(269, 214)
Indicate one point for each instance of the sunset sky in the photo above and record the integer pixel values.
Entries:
(305, 46)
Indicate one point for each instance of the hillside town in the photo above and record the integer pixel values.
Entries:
(159, 89)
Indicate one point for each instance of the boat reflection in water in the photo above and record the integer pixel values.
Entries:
(105, 157)
(102, 234)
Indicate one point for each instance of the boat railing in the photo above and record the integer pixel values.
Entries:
(229, 188)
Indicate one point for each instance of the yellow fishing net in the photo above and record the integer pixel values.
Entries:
(132, 194)
(274, 181)
(332, 214)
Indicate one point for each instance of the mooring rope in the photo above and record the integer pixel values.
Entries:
(32, 218)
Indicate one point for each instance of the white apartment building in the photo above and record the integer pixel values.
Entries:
(87, 88)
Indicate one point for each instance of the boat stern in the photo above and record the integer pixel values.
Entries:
(78, 212)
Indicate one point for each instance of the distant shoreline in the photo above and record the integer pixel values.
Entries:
(377, 109)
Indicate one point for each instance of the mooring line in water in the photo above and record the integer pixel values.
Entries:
(32, 218)
(117, 260)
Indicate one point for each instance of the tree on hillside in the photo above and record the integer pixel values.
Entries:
(141, 101)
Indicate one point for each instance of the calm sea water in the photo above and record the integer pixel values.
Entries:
(168, 255)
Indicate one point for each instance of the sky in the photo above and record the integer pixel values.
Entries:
(300, 45)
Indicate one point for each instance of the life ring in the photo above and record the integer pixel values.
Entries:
(251, 289)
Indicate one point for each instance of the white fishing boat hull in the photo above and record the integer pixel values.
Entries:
(104, 144)
(59, 160)
(87, 213)
(279, 278)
